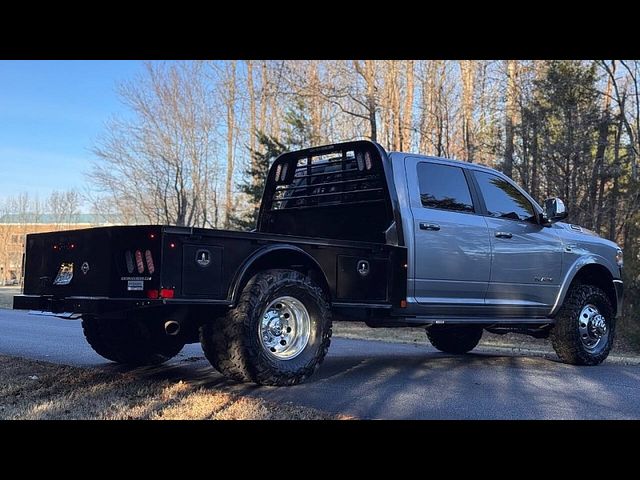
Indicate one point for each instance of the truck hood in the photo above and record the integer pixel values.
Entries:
(576, 232)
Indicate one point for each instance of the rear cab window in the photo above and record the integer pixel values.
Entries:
(444, 187)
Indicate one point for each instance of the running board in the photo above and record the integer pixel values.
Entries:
(479, 320)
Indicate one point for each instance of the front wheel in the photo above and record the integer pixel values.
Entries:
(278, 334)
(585, 327)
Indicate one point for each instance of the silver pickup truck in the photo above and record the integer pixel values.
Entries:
(345, 232)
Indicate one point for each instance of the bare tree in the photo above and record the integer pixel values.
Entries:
(159, 165)
(63, 206)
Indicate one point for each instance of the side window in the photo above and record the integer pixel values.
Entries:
(502, 199)
(444, 187)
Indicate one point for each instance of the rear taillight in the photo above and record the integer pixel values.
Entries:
(149, 258)
(128, 256)
(162, 293)
(166, 293)
(139, 262)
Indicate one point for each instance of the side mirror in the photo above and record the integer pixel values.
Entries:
(554, 211)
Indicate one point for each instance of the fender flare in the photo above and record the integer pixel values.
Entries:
(241, 274)
(571, 274)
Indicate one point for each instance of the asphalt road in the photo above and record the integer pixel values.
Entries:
(370, 379)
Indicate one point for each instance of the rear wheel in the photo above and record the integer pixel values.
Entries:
(585, 327)
(278, 334)
(456, 339)
(130, 341)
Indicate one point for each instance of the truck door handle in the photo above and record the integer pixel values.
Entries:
(503, 235)
(429, 226)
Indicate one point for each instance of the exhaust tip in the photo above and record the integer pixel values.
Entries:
(172, 328)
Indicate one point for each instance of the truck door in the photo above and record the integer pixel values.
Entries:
(451, 257)
(526, 257)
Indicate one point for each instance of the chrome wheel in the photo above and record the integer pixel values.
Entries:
(594, 331)
(284, 328)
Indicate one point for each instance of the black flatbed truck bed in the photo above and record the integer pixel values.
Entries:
(232, 258)
(327, 245)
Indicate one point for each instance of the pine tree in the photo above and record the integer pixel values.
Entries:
(252, 184)
(297, 134)
(297, 129)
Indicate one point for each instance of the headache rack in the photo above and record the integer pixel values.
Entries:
(326, 184)
(324, 180)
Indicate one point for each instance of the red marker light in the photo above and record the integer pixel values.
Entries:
(72, 246)
(55, 247)
(166, 293)
(152, 294)
(152, 236)
(172, 245)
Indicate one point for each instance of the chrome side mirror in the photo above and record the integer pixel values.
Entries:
(554, 211)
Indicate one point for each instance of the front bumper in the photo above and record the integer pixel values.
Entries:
(619, 286)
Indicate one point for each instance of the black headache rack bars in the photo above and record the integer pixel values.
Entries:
(326, 184)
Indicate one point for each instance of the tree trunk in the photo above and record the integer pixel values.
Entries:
(535, 180)
(510, 113)
(395, 106)
(252, 107)
(316, 106)
(467, 77)
(426, 111)
(264, 94)
(370, 79)
(407, 111)
(230, 105)
(613, 206)
(597, 172)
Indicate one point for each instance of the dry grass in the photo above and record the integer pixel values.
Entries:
(38, 390)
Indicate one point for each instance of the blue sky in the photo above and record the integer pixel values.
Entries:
(51, 112)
